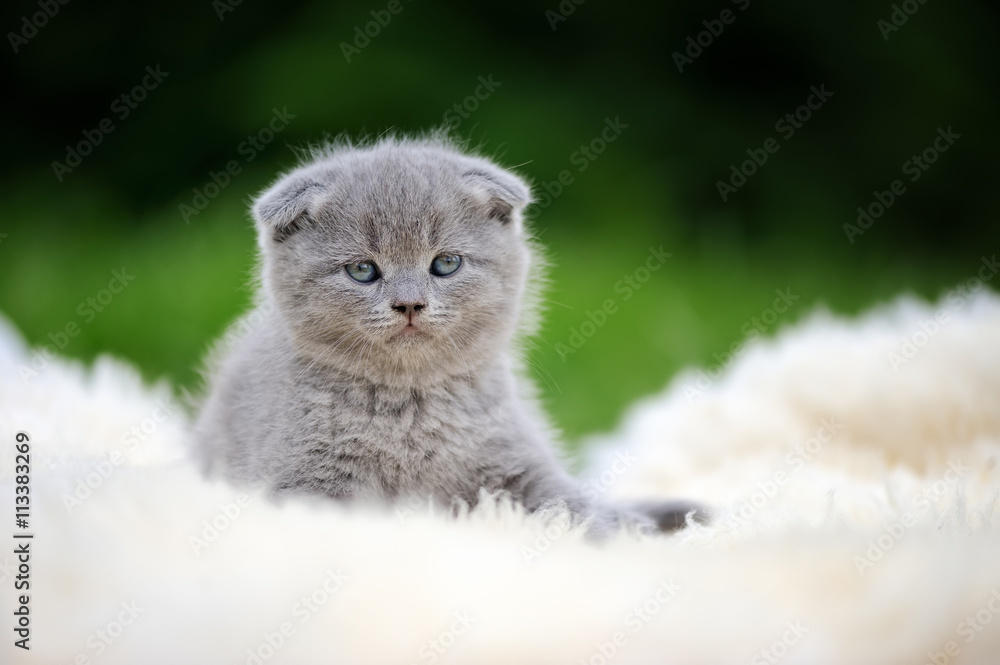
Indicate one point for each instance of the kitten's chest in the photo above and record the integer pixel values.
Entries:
(411, 440)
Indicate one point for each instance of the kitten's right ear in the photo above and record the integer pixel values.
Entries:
(281, 208)
(505, 193)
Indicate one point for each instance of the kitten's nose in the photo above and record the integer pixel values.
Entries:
(408, 307)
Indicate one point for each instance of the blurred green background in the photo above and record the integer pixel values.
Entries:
(228, 66)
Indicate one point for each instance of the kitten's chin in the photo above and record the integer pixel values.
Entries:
(408, 335)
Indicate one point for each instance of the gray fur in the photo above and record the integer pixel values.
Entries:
(325, 393)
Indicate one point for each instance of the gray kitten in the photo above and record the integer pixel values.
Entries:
(382, 361)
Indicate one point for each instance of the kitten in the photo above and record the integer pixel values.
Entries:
(381, 361)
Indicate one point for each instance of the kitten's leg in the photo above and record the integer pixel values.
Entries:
(548, 484)
(671, 515)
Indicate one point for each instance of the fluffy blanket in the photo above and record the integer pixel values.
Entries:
(852, 466)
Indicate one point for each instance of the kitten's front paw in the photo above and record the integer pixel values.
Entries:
(672, 515)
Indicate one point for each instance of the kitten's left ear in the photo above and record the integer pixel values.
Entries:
(504, 193)
(280, 209)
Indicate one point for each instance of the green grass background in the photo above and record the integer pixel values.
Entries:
(193, 280)
(655, 185)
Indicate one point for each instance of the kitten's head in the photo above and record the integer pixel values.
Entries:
(402, 262)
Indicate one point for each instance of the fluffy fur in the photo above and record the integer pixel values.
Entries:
(782, 576)
(403, 386)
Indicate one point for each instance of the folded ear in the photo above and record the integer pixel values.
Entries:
(503, 192)
(280, 210)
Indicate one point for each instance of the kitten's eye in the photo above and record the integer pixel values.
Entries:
(363, 272)
(445, 265)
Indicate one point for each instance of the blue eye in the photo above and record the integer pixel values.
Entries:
(445, 265)
(364, 272)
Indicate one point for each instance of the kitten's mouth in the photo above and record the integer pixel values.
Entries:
(410, 330)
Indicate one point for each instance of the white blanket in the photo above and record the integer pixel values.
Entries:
(852, 466)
